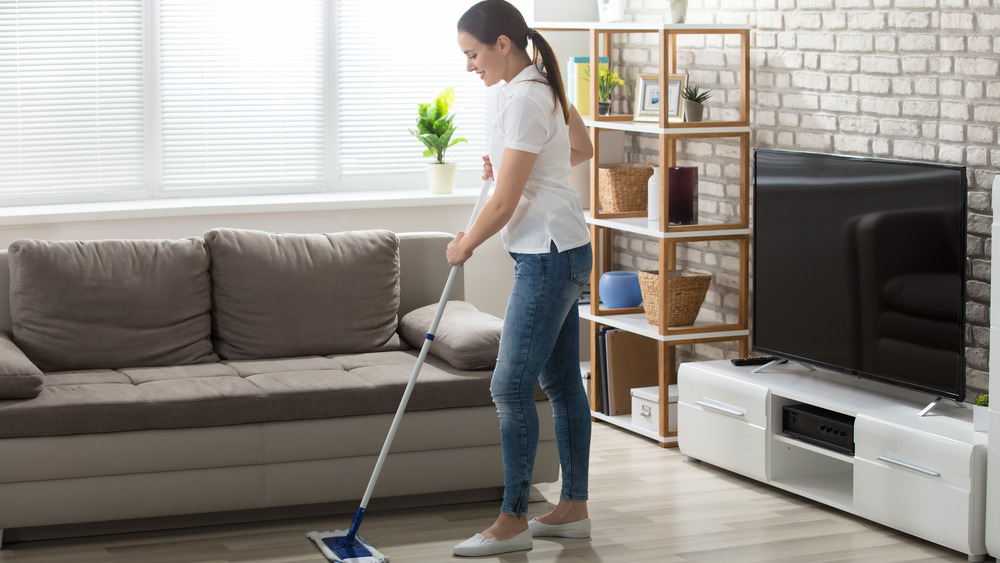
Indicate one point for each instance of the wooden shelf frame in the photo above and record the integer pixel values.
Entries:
(603, 224)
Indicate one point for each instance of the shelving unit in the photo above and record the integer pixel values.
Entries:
(604, 224)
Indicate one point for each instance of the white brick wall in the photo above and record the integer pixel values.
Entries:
(903, 79)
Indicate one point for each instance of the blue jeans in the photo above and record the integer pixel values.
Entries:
(540, 342)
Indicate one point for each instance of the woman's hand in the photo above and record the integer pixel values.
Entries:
(487, 168)
(457, 254)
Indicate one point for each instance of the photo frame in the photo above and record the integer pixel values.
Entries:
(648, 96)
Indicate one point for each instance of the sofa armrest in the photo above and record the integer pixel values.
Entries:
(466, 338)
(19, 377)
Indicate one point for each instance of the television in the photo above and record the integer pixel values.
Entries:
(859, 267)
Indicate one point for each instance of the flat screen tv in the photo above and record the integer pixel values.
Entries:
(859, 267)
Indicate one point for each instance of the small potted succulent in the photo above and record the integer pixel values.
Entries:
(607, 81)
(435, 129)
(981, 413)
(694, 101)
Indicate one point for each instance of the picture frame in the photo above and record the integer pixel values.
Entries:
(647, 97)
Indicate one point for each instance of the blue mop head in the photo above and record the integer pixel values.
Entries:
(339, 547)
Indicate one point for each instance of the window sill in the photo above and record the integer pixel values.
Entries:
(190, 207)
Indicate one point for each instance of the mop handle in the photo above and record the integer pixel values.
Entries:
(420, 359)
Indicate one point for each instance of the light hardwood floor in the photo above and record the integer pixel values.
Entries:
(647, 504)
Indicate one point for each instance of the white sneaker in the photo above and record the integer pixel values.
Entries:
(578, 529)
(478, 546)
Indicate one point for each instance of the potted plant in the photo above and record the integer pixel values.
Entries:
(694, 100)
(981, 413)
(607, 81)
(435, 129)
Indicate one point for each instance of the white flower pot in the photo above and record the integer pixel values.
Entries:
(678, 10)
(980, 418)
(441, 177)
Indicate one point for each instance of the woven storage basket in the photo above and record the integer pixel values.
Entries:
(622, 186)
(684, 294)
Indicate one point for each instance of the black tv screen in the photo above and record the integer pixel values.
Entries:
(859, 267)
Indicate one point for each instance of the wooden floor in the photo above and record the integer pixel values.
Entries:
(647, 504)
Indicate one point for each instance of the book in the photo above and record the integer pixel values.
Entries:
(632, 361)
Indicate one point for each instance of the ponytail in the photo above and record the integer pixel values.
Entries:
(550, 68)
(489, 19)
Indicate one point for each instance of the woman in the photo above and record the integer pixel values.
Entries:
(536, 138)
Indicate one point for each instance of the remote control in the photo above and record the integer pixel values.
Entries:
(753, 361)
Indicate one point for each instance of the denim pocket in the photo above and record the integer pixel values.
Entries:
(581, 261)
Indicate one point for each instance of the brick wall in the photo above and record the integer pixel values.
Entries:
(901, 79)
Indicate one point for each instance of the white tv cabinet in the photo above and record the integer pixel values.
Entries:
(922, 475)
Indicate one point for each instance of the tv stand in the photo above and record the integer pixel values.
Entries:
(923, 475)
(934, 403)
(778, 362)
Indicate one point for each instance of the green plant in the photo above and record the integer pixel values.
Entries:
(693, 92)
(607, 81)
(983, 400)
(435, 127)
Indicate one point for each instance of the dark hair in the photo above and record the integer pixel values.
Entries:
(489, 19)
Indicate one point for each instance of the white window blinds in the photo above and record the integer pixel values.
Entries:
(71, 112)
(390, 57)
(241, 89)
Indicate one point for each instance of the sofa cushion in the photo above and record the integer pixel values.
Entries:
(287, 295)
(19, 378)
(239, 392)
(466, 337)
(111, 303)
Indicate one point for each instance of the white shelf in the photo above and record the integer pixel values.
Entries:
(625, 421)
(638, 26)
(636, 324)
(642, 226)
(833, 489)
(655, 129)
(794, 442)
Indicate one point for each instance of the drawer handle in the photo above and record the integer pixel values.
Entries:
(911, 466)
(647, 411)
(721, 408)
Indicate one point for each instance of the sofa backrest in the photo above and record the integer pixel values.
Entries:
(422, 265)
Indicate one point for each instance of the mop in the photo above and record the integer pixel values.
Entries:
(345, 546)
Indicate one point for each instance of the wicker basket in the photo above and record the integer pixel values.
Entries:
(622, 186)
(685, 292)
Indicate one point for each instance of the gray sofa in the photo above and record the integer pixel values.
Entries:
(235, 371)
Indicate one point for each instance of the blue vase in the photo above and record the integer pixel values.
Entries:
(620, 289)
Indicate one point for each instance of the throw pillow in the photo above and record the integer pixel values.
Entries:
(466, 338)
(111, 303)
(287, 295)
(19, 378)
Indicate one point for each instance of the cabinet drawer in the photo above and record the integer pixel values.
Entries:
(910, 502)
(725, 396)
(919, 483)
(722, 440)
(921, 454)
(722, 421)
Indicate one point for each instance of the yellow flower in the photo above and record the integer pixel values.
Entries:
(607, 81)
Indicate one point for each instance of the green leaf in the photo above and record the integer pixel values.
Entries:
(434, 124)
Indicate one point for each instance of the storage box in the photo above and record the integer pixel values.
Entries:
(646, 408)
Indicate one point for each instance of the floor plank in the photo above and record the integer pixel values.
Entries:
(647, 504)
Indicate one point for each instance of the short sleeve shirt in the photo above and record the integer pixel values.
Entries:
(549, 211)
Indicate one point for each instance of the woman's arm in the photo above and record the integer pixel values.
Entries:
(580, 147)
(514, 172)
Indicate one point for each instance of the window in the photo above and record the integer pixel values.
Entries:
(100, 100)
(71, 100)
(391, 65)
